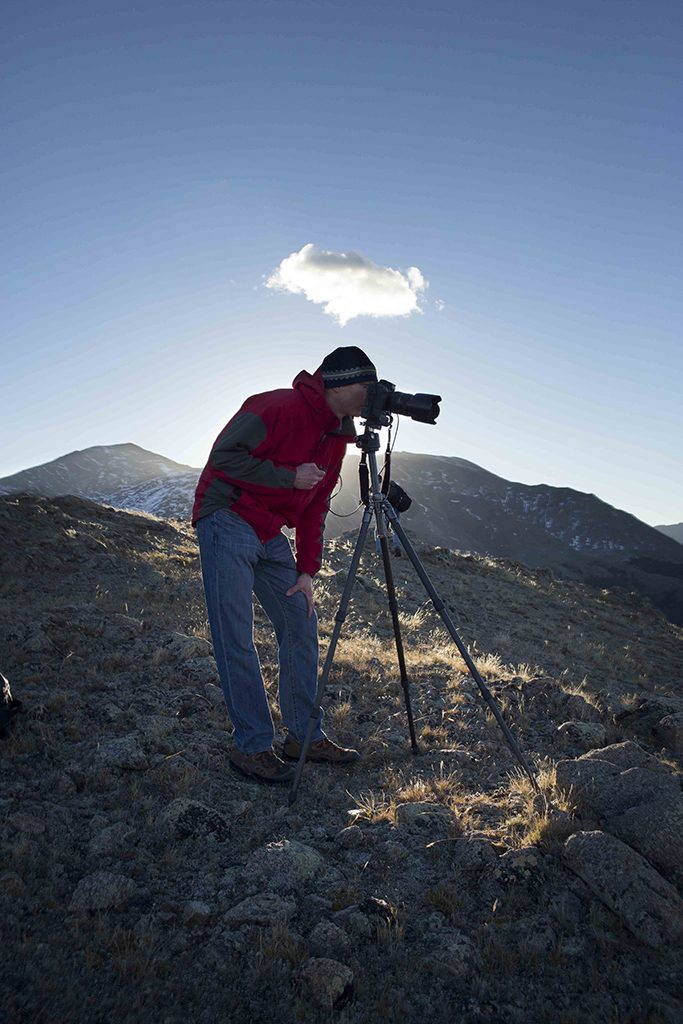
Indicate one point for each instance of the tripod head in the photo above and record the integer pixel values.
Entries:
(368, 441)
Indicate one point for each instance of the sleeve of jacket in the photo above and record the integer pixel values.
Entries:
(311, 527)
(232, 453)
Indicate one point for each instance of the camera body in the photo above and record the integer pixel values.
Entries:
(384, 400)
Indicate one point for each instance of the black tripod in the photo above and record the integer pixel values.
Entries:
(377, 504)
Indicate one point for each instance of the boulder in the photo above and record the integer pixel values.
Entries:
(328, 939)
(655, 830)
(624, 881)
(284, 865)
(626, 755)
(263, 910)
(452, 955)
(327, 982)
(102, 891)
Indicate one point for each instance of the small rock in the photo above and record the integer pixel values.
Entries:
(102, 891)
(192, 818)
(587, 735)
(473, 854)
(156, 727)
(195, 913)
(65, 785)
(328, 939)
(110, 839)
(452, 955)
(11, 883)
(433, 820)
(286, 864)
(669, 731)
(394, 853)
(185, 648)
(23, 822)
(202, 672)
(260, 910)
(125, 752)
(328, 982)
(350, 838)
(353, 922)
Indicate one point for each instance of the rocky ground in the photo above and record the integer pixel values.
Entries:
(140, 876)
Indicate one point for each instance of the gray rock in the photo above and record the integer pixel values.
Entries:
(180, 647)
(328, 939)
(102, 891)
(538, 936)
(428, 819)
(213, 694)
(350, 838)
(623, 880)
(473, 854)
(203, 673)
(260, 910)
(186, 817)
(393, 852)
(452, 955)
(669, 731)
(354, 922)
(124, 752)
(284, 865)
(585, 734)
(156, 727)
(655, 830)
(196, 913)
(600, 788)
(581, 709)
(111, 839)
(327, 982)
(626, 755)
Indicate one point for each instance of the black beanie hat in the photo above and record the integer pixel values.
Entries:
(347, 366)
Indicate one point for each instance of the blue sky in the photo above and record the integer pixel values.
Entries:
(165, 158)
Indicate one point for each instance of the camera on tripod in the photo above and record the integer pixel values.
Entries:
(383, 400)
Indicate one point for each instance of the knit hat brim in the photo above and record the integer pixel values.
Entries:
(347, 365)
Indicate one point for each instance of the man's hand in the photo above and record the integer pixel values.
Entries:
(307, 476)
(305, 585)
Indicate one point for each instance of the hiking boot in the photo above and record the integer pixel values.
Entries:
(265, 766)
(324, 751)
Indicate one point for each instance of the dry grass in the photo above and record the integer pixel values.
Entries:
(544, 820)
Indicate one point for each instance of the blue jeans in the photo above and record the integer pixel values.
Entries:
(236, 564)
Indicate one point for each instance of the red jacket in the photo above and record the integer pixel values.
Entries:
(253, 461)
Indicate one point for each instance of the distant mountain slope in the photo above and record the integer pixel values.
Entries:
(456, 505)
(675, 531)
(95, 473)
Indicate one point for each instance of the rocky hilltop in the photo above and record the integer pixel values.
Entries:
(140, 876)
(456, 504)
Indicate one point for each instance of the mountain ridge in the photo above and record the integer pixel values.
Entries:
(456, 505)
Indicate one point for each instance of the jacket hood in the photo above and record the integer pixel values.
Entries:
(312, 387)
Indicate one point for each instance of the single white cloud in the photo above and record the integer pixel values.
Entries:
(347, 285)
(440, 305)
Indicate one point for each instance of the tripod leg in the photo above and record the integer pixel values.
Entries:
(338, 621)
(448, 622)
(393, 607)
